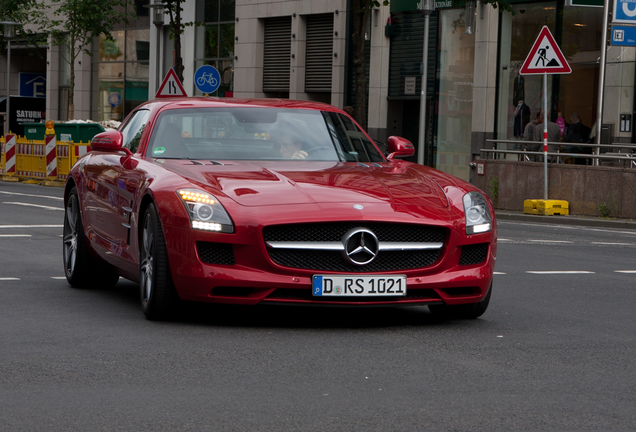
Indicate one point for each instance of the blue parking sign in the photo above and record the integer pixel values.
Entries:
(624, 11)
(207, 79)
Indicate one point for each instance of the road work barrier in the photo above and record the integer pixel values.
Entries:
(48, 159)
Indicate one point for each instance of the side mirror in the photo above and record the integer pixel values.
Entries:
(399, 147)
(109, 141)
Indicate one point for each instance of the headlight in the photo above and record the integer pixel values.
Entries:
(477, 213)
(205, 211)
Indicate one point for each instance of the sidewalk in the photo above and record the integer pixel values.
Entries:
(567, 220)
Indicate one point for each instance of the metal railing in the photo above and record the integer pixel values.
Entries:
(537, 155)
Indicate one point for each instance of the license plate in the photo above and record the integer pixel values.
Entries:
(359, 286)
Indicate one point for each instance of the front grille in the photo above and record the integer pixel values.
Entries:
(333, 232)
(216, 253)
(473, 254)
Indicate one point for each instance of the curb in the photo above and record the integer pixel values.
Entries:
(568, 220)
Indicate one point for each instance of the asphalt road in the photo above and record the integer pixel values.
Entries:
(555, 351)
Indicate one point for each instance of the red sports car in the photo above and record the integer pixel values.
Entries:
(272, 201)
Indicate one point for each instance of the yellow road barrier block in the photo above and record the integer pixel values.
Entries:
(546, 207)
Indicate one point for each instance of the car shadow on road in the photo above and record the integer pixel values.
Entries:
(295, 316)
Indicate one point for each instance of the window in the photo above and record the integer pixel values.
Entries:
(134, 128)
(215, 41)
(121, 68)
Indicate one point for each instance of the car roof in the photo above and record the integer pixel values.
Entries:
(217, 102)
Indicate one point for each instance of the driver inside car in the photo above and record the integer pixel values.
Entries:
(291, 147)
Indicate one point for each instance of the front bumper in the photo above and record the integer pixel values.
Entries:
(254, 278)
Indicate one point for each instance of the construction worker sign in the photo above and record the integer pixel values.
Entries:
(545, 57)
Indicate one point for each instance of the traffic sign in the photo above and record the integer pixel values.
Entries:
(171, 86)
(624, 12)
(207, 79)
(545, 57)
(624, 35)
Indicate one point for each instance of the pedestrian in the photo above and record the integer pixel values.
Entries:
(578, 133)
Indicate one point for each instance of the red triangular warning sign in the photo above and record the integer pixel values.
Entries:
(171, 86)
(545, 57)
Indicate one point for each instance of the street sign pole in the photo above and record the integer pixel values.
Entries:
(545, 51)
(545, 136)
(601, 81)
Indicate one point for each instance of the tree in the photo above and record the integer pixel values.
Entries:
(75, 23)
(20, 11)
(177, 26)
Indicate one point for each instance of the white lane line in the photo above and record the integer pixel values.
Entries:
(613, 244)
(570, 227)
(550, 241)
(34, 205)
(625, 271)
(30, 195)
(561, 272)
(500, 239)
(499, 273)
(16, 235)
(9, 279)
(58, 277)
(30, 226)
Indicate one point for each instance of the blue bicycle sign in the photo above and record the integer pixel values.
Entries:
(207, 79)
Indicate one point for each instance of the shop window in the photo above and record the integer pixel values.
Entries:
(456, 72)
(577, 31)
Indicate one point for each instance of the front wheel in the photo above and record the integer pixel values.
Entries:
(463, 311)
(158, 296)
(80, 269)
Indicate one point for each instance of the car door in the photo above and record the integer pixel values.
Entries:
(130, 178)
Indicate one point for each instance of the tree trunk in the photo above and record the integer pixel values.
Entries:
(178, 60)
(71, 90)
(361, 11)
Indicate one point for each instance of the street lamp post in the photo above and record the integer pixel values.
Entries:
(9, 27)
(157, 14)
(428, 6)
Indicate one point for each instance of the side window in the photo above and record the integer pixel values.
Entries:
(134, 128)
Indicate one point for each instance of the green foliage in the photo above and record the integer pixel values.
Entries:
(604, 210)
(493, 184)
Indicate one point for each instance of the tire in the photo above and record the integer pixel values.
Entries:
(463, 311)
(80, 269)
(157, 293)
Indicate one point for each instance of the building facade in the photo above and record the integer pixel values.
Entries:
(300, 49)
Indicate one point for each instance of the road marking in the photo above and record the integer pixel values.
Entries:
(34, 205)
(625, 271)
(58, 277)
(568, 227)
(16, 235)
(613, 244)
(561, 272)
(9, 279)
(30, 226)
(30, 195)
(500, 239)
(499, 273)
(550, 241)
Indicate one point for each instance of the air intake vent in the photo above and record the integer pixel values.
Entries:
(216, 253)
(474, 254)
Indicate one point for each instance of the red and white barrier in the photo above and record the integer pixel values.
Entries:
(51, 156)
(10, 154)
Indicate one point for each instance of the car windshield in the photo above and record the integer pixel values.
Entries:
(259, 134)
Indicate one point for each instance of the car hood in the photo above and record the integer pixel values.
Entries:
(303, 182)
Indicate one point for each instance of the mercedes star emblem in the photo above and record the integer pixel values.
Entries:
(361, 246)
